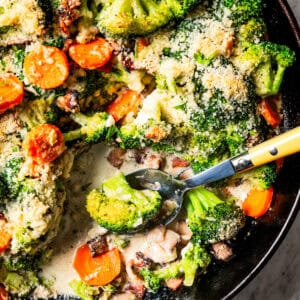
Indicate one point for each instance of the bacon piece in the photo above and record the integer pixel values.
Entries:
(98, 245)
(222, 251)
(68, 102)
(116, 157)
(68, 13)
(177, 162)
(174, 283)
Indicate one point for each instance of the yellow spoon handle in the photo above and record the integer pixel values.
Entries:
(280, 146)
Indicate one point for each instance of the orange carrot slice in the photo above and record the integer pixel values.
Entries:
(5, 236)
(258, 202)
(99, 270)
(142, 43)
(124, 104)
(44, 143)
(46, 66)
(269, 113)
(3, 293)
(11, 91)
(92, 55)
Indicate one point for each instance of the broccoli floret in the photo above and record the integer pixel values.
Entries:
(84, 291)
(3, 191)
(252, 32)
(87, 24)
(139, 17)
(95, 128)
(119, 76)
(148, 128)
(121, 242)
(107, 291)
(194, 257)
(9, 176)
(241, 11)
(39, 111)
(55, 42)
(210, 218)
(130, 137)
(259, 178)
(266, 63)
(118, 207)
(21, 283)
(138, 136)
(13, 31)
(202, 60)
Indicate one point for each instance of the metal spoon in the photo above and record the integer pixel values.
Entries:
(170, 188)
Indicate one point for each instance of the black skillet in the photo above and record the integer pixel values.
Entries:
(251, 252)
(224, 280)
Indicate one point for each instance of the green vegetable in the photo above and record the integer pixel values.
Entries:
(19, 55)
(267, 63)
(121, 242)
(55, 42)
(121, 77)
(139, 17)
(84, 291)
(194, 258)
(21, 283)
(259, 178)
(3, 191)
(94, 128)
(138, 136)
(241, 11)
(210, 218)
(118, 207)
(9, 175)
(252, 32)
(39, 111)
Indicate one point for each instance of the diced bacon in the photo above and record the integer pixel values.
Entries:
(222, 251)
(174, 283)
(116, 157)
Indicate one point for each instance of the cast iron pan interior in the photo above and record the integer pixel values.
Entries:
(224, 280)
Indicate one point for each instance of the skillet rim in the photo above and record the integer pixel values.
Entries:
(295, 29)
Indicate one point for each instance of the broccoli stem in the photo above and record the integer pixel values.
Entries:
(72, 135)
(80, 118)
(278, 79)
(85, 11)
(201, 200)
(75, 134)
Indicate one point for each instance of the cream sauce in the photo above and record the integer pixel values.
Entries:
(89, 170)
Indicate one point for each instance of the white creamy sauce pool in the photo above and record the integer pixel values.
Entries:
(90, 169)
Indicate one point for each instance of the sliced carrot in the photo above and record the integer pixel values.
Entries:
(44, 143)
(258, 202)
(3, 293)
(46, 66)
(99, 270)
(174, 283)
(269, 113)
(142, 43)
(92, 55)
(5, 236)
(11, 91)
(127, 102)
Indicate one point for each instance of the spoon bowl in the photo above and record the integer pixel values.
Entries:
(169, 188)
(173, 189)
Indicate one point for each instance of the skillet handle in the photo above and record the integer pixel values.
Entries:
(280, 146)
